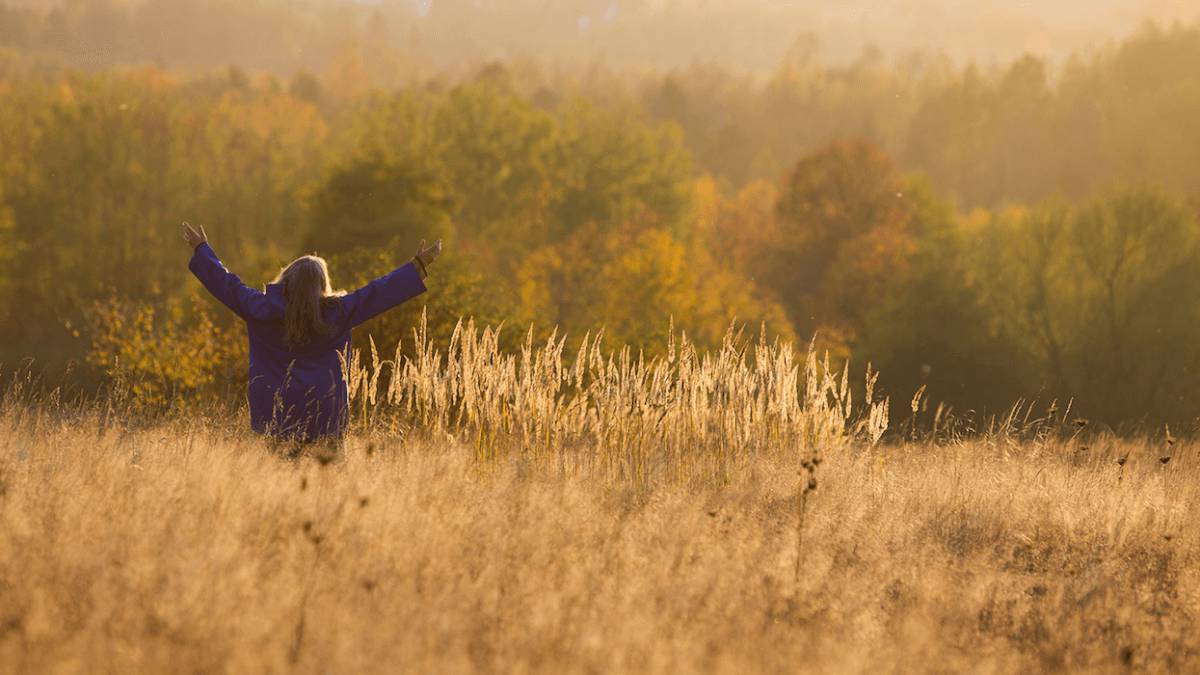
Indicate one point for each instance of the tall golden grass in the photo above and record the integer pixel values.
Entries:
(726, 512)
(684, 416)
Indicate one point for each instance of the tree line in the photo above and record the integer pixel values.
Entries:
(1016, 131)
(564, 208)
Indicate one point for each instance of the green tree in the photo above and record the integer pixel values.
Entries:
(1099, 297)
(378, 202)
(934, 329)
(616, 168)
(499, 155)
(1140, 263)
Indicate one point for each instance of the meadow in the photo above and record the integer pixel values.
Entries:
(567, 509)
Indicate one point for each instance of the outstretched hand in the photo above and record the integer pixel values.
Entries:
(426, 256)
(193, 236)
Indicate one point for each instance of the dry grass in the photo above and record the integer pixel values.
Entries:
(682, 417)
(457, 546)
(174, 549)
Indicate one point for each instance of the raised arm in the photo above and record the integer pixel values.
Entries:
(384, 293)
(223, 284)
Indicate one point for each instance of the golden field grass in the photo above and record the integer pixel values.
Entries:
(178, 549)
(186, 545)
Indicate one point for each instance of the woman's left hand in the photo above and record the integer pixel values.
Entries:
(196, 237)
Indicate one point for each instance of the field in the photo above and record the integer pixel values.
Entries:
(794, 535)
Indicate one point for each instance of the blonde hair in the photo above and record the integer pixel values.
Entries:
(306, 291)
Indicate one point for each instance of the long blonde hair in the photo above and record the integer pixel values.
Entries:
(306, 291)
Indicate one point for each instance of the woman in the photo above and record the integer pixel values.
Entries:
(297, 328)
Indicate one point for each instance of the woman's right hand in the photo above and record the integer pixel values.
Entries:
(195, 237)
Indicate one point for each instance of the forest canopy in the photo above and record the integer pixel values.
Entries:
(1025, 229)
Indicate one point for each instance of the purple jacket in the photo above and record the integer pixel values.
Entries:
(299, 394)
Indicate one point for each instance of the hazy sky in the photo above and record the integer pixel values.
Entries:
(990, 29)
(742, 35)
(758, 32)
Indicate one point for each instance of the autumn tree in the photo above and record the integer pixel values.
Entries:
(846, 232)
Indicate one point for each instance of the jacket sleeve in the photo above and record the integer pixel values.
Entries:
(223, 284)
(384, 293)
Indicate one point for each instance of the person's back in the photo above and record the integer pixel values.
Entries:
(299, 329)
(296, 390)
